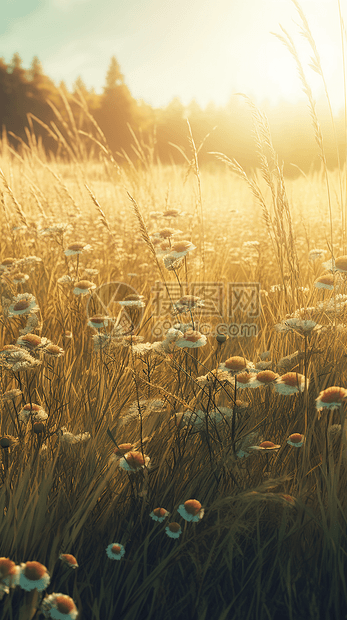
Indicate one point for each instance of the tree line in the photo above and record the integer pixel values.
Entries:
(30, 103)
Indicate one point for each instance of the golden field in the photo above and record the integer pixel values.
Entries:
(266, 534)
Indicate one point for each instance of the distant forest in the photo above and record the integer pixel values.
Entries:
(31, 104)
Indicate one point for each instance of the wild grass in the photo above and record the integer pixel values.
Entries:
(272, 540)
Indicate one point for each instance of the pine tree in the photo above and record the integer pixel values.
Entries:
(117, 109)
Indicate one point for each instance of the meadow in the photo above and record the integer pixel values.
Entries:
(156, 462)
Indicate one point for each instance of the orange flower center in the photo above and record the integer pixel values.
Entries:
(133, 297)
(333, 394)
(159, 512)
(192, 336)
(69, 558)
(166, 233)
(6, 567)
(76, 247)
(65, 604)
(341, 263)
(327, 279)
(174, 527)
(31, 339)
(23, 304)
(123, 448)
(244, 377)
(266, 376)
(192, 506)
(32, 407)
(181, 246)
(134, 459)
(116, 548)
(296, 438)
(97, 319)
(84, 284)
(236, 363)
(267, 444)
(291, 378)
(34, 570)
(53, 349)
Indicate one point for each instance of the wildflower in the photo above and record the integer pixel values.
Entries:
(23, 304)
(67, 438)
(11, 394)
(166, 233)
(61, 227)
(52, 350)
(334, 431)
(32, 342)
(36, 412)
(173, 530)
(303, 326)
(115, 551)
(180, 249)
(247, 380)
(236, 364)
(69, 560)
(9, 576)
(171, 263)
(341, 264)
(171, 213)
(191, 510)
(243, 445)
(266, 377)
(76, 248)
(19, 278)
(331, 398)
(28, 260)
(83, 287)
(316, 254)
(33, 575)
(59, 607)
(16, 359)
(159, 514)
(120, 451)
(187, 303)
(134, 461)
(8, 263)
(265, 446)
(66, 279)
(99, 321)
(213, 378)
(296, 440)
(31, 324)
(133, 301)
(191, 340)
(91, 272)
(326, 281)
(290, 383)
(100, 341)
(181, 327)
(286, 364)
(147, 407)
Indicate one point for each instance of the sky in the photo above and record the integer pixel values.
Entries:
(206, 50)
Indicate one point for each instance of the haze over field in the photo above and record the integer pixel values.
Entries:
(203, 49)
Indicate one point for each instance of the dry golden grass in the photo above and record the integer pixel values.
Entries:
(271, 542)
